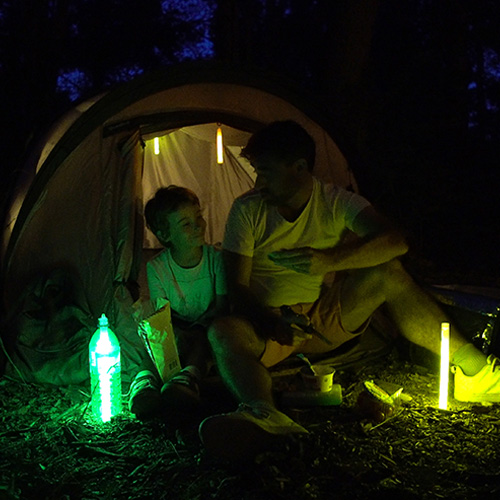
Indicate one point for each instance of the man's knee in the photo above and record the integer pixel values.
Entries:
(220, 331)
(234, 334)
(392, 276)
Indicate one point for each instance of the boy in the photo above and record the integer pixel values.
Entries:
(189, 274)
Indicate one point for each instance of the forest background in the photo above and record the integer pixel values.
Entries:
(411, 89)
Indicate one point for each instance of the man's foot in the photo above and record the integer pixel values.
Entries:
(181, 392)
(484, 387)
(246, 432)
(144, 395)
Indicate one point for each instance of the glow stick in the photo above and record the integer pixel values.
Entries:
(445, 366)
(156, 142)
(220, 153)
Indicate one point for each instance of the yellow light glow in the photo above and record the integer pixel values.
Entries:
(445, 366)
(220, 153)
(156, 142)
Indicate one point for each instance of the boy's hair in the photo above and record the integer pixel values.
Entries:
(281, 140)
(165, 201)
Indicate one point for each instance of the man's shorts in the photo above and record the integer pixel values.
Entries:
(325, 317)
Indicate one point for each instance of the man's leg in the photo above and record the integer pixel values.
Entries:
(415, 313)
(418, 317)
(237, 350)
(257, 424)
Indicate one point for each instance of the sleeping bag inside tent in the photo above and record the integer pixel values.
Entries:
(74, 241)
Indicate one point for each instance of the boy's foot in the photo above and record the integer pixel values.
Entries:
(144, 395)
(246, 432)
(484, 387)
(181, 392)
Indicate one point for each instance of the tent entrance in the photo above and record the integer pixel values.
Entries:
(187, 157)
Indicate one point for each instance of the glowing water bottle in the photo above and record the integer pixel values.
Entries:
(105, 379)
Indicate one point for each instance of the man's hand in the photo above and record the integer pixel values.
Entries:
(304, 260)
(286, 334)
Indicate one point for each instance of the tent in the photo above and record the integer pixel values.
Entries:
(74, 239)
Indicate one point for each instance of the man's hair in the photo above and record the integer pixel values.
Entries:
(281, 140)
(166, 200)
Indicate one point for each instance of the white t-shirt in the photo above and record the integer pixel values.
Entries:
(255, 229)
(190, 291)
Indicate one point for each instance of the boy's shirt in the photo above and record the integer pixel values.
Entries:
(190, 291)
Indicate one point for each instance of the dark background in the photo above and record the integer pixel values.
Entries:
(411, 88)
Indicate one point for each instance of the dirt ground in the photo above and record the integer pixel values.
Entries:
(50, 448)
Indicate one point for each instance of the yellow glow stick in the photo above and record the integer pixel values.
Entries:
(445, 366)
(220, 154)
(156, 142)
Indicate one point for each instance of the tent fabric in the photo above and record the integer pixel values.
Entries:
(79, 203)
(128, 210)
(50, 326)
(192, 153)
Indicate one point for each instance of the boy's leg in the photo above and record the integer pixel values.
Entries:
(194, 349)
(182, 391)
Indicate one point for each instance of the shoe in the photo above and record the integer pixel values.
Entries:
(484, 387)
(181, 392)
(144, 395)
(248, 431)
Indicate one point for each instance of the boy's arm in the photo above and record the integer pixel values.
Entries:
(155, 285)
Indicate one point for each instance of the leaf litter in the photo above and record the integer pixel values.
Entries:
(50, 448)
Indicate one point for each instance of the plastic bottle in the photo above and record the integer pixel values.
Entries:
(105, 376)
(312, 398)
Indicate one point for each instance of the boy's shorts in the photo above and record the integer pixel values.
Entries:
(325, 317)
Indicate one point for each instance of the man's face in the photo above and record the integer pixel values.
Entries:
(276, 180)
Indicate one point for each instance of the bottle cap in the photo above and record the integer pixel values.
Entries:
(103, 320)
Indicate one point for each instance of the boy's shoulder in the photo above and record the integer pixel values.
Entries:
(160, 256)
(213, 249)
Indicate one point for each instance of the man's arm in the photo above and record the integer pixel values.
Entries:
(377, 242)
(245, 303)
(218, 308)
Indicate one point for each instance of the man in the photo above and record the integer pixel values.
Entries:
(283, 239)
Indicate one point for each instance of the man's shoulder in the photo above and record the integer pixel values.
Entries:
(333, 191)
(328, 187)
(328, 191)
(249, 203)
(249, 197)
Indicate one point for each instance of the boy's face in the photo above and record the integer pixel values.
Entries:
(186, 227)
